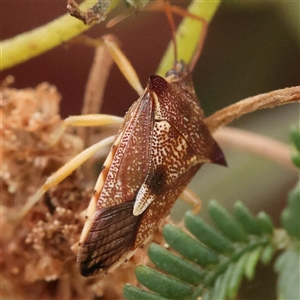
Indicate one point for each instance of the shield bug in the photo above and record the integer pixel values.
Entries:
(160, 146)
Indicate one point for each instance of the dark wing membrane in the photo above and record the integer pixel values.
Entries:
(113, 233)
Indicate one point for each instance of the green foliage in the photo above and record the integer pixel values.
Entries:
(295, 136)
(288, 263)
(288, 267)
(290, 215)
(211, 261)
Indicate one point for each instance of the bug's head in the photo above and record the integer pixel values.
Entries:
(178, 72)
(180, 75)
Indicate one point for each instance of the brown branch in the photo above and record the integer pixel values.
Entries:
(97, 80)
(251, 104)
(95, 88)
(257, 144)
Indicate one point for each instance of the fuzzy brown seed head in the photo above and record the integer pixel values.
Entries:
(38, 254)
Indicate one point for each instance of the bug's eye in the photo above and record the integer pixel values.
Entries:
(172, 73)
(178, 70)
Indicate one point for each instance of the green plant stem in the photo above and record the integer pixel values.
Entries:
(188, 35)
(211, 277)
(32, 43)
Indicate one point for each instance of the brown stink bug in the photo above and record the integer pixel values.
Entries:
(162, 143)
(160, 146)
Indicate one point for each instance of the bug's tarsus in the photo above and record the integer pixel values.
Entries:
(113, 233)
(49, 204)
(191, 198)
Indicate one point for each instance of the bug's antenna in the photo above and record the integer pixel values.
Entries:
(170, 18)
(199, 48)
(169, 9)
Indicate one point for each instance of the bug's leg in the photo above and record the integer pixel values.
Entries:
(86, 121)
(169, 9)
(112, 45)
(163, 6)
(190, 197)
(123, 63)
(64, 171)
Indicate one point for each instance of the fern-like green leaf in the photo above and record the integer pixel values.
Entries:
(236, 276)
(207, 234)
(267, 253)
(265, 222)
(228, 225)
(246, 218)
(211, 265)
(213, 261)
(133, 293)
(291, 215)
(189, 247)
(252, 260)
(220, 289)
(295, 137)
(288, 267)
(288, 263)
(166, 286)
(175, 265)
